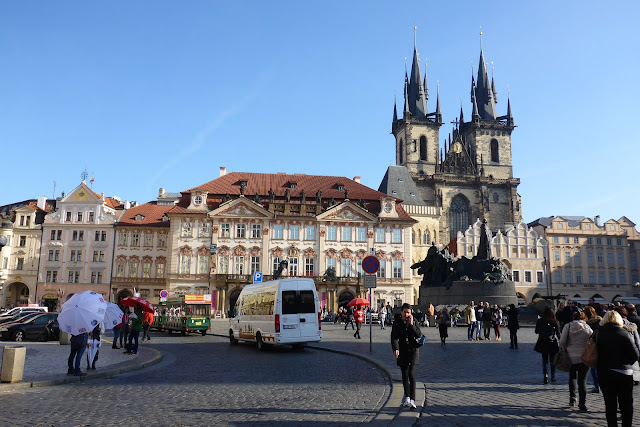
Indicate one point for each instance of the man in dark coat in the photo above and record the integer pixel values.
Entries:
(632, 315)
(404, 334)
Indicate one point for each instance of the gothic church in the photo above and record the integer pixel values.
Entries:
(473, 177)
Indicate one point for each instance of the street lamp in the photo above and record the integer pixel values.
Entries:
(3, 242)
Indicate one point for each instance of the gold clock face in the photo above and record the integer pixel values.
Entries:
(457, 147)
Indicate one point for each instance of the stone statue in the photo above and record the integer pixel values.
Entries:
(346, 194)
(256, 198)
(226, 198)
(287, 195)
(319, 197)
(484, 247)
(303, 197)
(242, 190)
(332, 202)
(272, 196)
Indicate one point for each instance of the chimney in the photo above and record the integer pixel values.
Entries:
(127, 205)
(161, 193)
(596, 219)
(42, 202)
(223, 171)
(356, 179)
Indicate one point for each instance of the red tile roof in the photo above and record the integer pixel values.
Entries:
(151, 212)
(112, 203)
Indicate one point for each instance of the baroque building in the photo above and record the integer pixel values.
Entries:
(224, 231)
(588, 259)
(473, 176)
(522, 250)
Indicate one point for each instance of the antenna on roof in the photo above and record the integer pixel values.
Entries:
(91, 180)
(54, 190)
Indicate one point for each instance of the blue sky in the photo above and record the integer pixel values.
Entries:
(161, 94)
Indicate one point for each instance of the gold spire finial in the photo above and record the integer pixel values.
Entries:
(415, 40)
(480, 37)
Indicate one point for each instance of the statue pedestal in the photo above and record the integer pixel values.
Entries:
(462, 292)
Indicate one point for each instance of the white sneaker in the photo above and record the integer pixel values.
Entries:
(412, 403)
(406, 402)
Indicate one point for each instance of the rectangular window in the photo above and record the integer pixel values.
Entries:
(135, 239)
(309, 267)
(96, 236)
(598, 240)
(74, 276)
(278, 231)
(293, 266)
(619, 242)
(527, 277)
(539, 276)
(557, 276)
(294, 232)
(576, 240)
(361, 234)
(5, 262)
(204, 229)
(568, 276)
(601, 280)
(256, 232)
(382, 271)
(577, 258)
(589, 241)
(397, 269)
(187, 230)
(146, 270)
(225, 230)
(556, 256)
(556, 239)
(122, 239)
(223, 264)
(359, 267)
(578, 276)
(79, 216)
(516, 276)
(241, 231)
(592, 278)
(160, 270)
(203, 264)
(609, 241)
(74, 235)
(20, 264)
(567, 257)
(623, 278)
(50, 257)
(52, 276)
(310, 232)
(92, 216)
(53, 235)
(332, 233)
(620, 259)
(148, 240)
(346, 234)
(634, 261)
(94, 276)
(609, 258)
(133, 269)
(276, 263)
(68, 219)
(396, 235)
(346, 268)
(22, 242)
(185, 264)
(600, 257)
(80, 235)
(590, 257)
(380, 235)
(566, 240)
(21, 220)
(162, 240)
(120, 269)
(331, 263)
(56, 255)
(94, 258)
(612, 278)
(255, 264)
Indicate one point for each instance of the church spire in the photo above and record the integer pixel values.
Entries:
(461, 113)
(438, 112)
(415, 90)
(509, 115)
(395, 108)
(493, 86)
(474, 112)
(425, 86)
(406, 95)
(483, 93)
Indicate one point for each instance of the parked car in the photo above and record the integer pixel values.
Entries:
(19, 317)
(18, 310)
(42, 328)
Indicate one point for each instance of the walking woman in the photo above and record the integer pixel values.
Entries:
(593, 320)
(404, 333)
(616, 353)
(513, 325)
(548, 331)
(443, 324)
(574, 338)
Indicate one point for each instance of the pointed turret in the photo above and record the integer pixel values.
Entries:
(493, 90)
(473, 86)
(474, 111)
(438, 112)
(415, 90)
(395, 109)
(461, 114)
(406, 96)
(509, 115)
(484, 93)
(424, 85)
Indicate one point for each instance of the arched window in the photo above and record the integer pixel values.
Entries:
(496, 198)
(401, 149)
(425, 238)
(423, 147)
(458, 215)
(413, 237)
(495, 156)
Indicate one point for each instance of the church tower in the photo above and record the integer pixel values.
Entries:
(417, 131)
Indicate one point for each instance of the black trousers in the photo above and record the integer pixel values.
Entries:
(578, 376)
(409, 380)
(617, 390)
(358, 326)
(513, 334)
(547, 359)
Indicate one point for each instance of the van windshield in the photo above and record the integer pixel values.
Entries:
(295, 302)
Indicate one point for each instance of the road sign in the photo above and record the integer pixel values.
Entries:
(213, 248)
(370, 264)
(164, 294)
(257, 276)
(370, 281)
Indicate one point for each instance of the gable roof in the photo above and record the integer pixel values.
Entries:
(152, 215)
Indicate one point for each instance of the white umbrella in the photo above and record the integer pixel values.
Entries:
(94, 346)
(82, 313)
(112, 316)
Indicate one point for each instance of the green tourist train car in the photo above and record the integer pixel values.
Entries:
(186, 313)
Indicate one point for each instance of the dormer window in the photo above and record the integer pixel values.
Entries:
(340, 187)
(197, 200)
(243, 184)
(139, 217)
(293, 185)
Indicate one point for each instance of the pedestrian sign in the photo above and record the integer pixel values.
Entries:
(257, 276)
(370, 264)
(370, 281)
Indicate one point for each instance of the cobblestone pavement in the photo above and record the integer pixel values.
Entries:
(206, 381)
(481, 382)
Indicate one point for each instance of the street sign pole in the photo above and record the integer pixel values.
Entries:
(370, 323)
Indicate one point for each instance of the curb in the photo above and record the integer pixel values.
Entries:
(134, 366)
(391, 412)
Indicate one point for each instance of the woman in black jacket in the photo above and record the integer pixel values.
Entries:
(513, 325)
(404, 333)
(548, 332)
(616, 353)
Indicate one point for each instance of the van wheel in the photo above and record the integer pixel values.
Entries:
(232, 339)
(259, 342)
(299, 346)
(183, 332)
(204, 332)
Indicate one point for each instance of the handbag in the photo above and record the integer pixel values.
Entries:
(420, 341)
(562, 361)
(590, 354)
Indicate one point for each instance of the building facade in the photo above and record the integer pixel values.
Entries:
(588, 259)
(474, 176)
(77, 246)
(521, 249)
(22, 229)
(241, 223)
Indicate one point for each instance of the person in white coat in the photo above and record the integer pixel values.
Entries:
(574, 339)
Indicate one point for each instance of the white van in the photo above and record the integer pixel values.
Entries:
(279, 312)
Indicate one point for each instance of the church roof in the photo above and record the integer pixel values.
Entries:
(397, 182)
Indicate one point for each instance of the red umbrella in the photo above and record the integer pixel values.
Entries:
(132, 301)
(357, 301)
